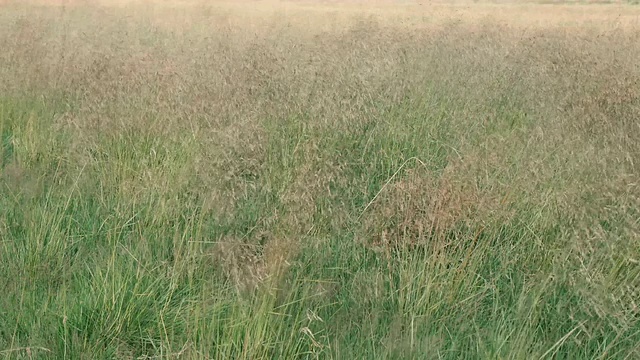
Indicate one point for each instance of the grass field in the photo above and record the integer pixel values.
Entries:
(331, 180)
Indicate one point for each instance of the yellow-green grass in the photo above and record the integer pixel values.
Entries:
(301, 180)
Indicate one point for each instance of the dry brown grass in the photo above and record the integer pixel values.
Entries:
(276, 58)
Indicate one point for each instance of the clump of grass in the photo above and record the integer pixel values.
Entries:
(215, 181)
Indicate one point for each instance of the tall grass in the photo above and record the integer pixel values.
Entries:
(205, 181)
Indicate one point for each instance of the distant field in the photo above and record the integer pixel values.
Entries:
(319, 179)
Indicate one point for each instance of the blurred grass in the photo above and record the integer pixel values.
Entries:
(181, 182)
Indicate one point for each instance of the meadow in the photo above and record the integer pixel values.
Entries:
(319, 180)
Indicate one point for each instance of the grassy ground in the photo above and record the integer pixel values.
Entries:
(180, 180)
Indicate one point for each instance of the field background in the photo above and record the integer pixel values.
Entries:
(319, 179)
